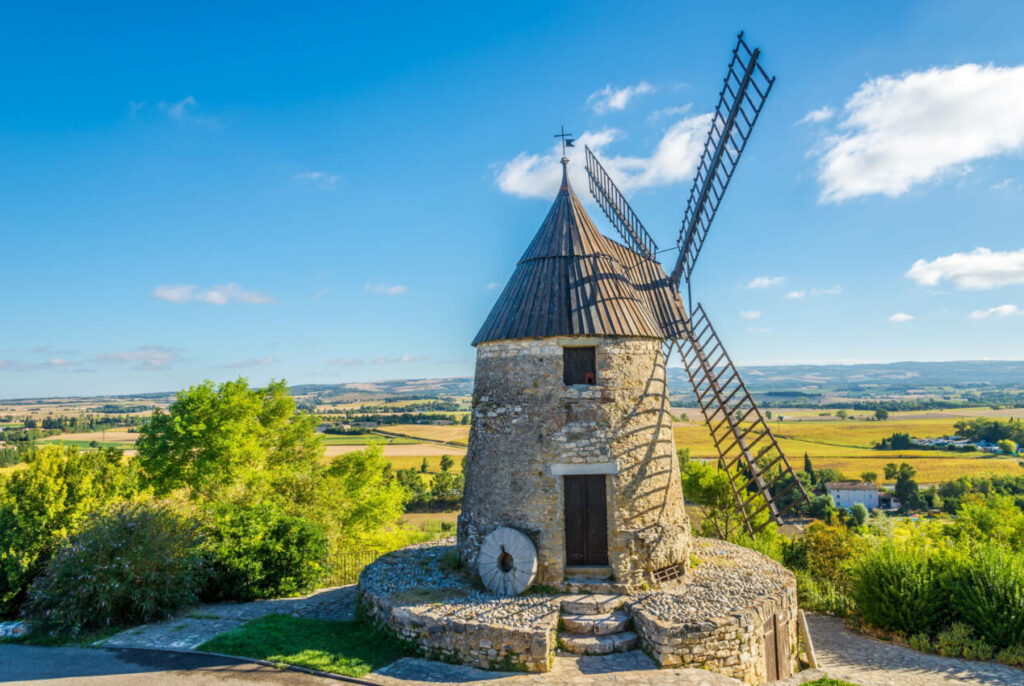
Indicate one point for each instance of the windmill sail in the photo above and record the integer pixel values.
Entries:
(760, 476)
(618, 211)
(743, 95)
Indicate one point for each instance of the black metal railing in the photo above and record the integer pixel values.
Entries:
(344, 568)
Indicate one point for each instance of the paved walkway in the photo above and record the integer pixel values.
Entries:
(867, 662)
(36, 666)
(632, 667)
(198, 625)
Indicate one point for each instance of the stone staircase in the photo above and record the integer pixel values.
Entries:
(595, 624)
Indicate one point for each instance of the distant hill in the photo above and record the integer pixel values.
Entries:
(891, 376)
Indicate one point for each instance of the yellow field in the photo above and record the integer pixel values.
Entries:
(452, 433)
(846, 445)
(929, 469)
(111, 436)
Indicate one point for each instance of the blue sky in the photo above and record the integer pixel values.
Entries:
(327, 194)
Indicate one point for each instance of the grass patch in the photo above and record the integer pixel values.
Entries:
(827, 681)
(349, 648)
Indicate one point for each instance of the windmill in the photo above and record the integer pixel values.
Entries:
(747, 449)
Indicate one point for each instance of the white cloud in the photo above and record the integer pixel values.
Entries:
(345, 361)
(52, 363)
(1001, 311)
(385, 289)
(318, 178)
(492, 285)
(766, 282)
(214, 295)
(179, 109)
(669, 112)
(900, 131)
(147, 357)
(817, 116)
(252, 362)
(750, 314)
(833, 290)
(404, 359)
(981, 269)
(673, 160)
(609, 98)
(1006, 184)
(900, 317)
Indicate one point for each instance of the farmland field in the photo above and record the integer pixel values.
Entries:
(846, 445)
(451, 433)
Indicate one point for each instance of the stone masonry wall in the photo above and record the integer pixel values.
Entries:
(525, 420)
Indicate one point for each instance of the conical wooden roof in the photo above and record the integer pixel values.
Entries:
(573, 281)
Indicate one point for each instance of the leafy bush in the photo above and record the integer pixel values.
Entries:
(897, 589)
(822, 596)
(135, 563)
(48, 501)
(959, 641)
(985, 589)
(1014, 655)
(921, 642)
(259, 552)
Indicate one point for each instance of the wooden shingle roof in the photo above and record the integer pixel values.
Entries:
(574, 281)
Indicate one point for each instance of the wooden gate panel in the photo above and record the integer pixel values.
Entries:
(586, 520)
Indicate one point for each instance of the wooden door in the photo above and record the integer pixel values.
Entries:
(776, 648)
(771, 650)
(586, 521)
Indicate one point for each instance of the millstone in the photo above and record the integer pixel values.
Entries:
(507, 562)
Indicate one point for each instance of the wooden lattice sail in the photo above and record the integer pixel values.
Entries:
(759, 474)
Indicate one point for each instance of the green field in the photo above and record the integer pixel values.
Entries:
(364, 439)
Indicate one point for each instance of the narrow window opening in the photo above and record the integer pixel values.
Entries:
(580, 365)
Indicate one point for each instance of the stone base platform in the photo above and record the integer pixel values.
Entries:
(717, 617)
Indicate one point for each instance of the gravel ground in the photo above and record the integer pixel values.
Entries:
(729, 578)
(416, 577)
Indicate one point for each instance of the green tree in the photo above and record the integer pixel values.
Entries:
(424, 466)
(994, 518)
(881, 414)
(808, 468)
(869, 477)
(212, 439)
(842, 414)
(1007, 446)
(447, 462)
(48, 501)
(859, 513)
(906, 490)
(891, 471)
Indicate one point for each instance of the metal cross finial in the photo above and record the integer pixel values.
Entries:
(567, 140)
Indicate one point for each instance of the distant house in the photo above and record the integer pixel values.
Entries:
(846, 494)
(887, 501)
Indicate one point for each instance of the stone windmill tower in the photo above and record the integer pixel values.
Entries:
(571, 442)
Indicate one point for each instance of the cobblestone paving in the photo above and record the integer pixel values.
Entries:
(632, 667)
(199, 624)
(865, 661)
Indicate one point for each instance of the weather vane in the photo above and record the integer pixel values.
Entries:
(567, 141)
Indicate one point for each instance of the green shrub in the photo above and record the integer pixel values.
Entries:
(959, 641)
(897, 589)
(46, 502)
(259, 552)
(1014, 655)
(921, 642)
(135, 563)
(822, 596)
(985, 590)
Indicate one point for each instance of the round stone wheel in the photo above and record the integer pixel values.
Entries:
(507, 562)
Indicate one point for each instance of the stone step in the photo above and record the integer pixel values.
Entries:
(610, 623)
(592, 573)
(595, 604)
(588, 644)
